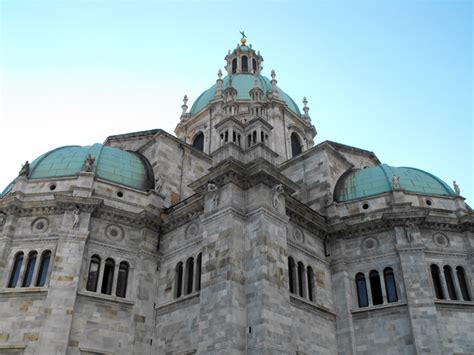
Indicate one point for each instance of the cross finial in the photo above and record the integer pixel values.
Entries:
(243, 40)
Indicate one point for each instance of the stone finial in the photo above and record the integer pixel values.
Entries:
(305, 107)
(272, 74)
(396, 182)
(456, 188)
(88, 163)
(25, 169)
(219, 74)
(274, 84)
(184, 106)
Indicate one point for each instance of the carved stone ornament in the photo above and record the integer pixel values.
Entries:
(278, 190)
(114, 232)
(3, 218)
(192, 230)
(40, 225)
(298, 235)
(441, 240)
(158, 184)
(396, 182)
(456, 188)
(88, 163)
(25, 169)
(370, 244)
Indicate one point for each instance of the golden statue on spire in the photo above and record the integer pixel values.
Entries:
(243, 40)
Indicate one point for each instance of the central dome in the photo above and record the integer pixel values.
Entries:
(243, 83)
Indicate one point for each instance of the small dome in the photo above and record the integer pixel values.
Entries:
(361, 183)
(243, 83)
(111, 164)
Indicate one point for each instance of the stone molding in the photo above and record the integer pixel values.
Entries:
(452, 305)
(307, 253)
(312, 307)
(178, 303)
(366, 312)
(106, 298)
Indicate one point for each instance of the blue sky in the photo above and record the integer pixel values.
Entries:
(394, 77)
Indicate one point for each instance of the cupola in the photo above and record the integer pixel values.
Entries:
(243, 59)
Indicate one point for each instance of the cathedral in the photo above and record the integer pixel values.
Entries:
(237, 235)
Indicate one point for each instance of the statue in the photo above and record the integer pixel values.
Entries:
(88, 163)
(396, 182)
(77, 215)
(3, 218)
(25, 169)
(212, 189)
(411, 231)
(456, 188)
(158, 184)
(277, 191)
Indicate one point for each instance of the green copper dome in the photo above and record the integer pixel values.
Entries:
(375, 180)
(243, 83)
(111, 164)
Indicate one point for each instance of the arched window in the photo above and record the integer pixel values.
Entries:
(198, 271)
(245, 64)
(295, 145)
(108, 278)
(361, 290)
(122, 279)
(435, 275)
(93, 276)
(234, 65)
(375, 287)
(198, 142)
(44, 268)
(189, 275)
(291, 275)
(30, 268)
(310, 283)
(301, 279)
(179, 279)
(448, 275)
(254, 65)
(15, 274)
(390, 286)
(463, 283)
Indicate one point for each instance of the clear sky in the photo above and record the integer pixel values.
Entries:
(393, 77)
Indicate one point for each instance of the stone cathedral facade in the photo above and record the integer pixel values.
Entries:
(238, 235)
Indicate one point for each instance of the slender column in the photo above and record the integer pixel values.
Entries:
(444, 286)
(369, 290)
(382, 286)
(114, 282)
(36, 270)
(101, 275)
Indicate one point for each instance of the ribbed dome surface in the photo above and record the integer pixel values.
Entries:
(112, 164)
(243, 83)
(375, 180)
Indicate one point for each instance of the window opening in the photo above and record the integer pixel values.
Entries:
(122, 279)
(108, 277)
(15, 275)
(30, 268)
(361, 290)
(390, 286)
(463, 283)
(375, 287)
(44, 268)
(435, 275)
(448, 275)
(295, 145)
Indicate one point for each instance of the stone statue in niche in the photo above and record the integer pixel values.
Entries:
(412, 231)
(277, 191)
(396, 182)
(214, 195)
(88, 163)
(77, 217)
(456, 188)
(25, 169)
(3, 218)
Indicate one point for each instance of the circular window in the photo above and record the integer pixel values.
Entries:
(365, 206)
(298, 235)
(192, 230)
(428, 202)
(52, 187)
(119, 194)
(40, 225)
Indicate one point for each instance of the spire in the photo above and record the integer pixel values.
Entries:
(274, 84)
(305, 109)
(219, 82)
(184, 107)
